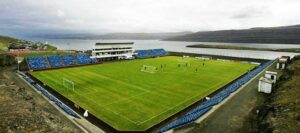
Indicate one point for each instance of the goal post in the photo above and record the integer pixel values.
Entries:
(184, 63)
(148, 69)
(68, 84)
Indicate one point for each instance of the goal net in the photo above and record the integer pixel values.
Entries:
(68, 84)
(183, 63)
(149, 69)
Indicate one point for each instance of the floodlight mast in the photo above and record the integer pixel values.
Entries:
(18, 59)
(18, 62)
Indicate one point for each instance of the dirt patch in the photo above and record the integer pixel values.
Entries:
(24, 110)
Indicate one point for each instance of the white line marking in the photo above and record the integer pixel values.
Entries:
(176, 105)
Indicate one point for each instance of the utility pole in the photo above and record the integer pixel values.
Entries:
(18, 63)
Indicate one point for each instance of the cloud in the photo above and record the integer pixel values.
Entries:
(60, 13)
(251, 12)
(102, 16)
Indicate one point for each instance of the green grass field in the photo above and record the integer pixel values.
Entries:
(128, 99)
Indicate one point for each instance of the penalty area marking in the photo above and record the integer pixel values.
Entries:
(216, 107)
(175, 106)
(132, 121)
(149, 69)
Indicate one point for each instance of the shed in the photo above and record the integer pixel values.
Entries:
(282, 62)
(265, 85)
(287, 58)
(271, 75)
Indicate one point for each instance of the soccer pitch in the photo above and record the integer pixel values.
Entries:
(129, 99)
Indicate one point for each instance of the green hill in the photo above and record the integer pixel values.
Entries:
(281, 35)
(5, 40)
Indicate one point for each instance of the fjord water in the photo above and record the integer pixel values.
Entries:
(180, 46)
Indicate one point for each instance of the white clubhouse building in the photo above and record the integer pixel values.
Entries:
(113, 50)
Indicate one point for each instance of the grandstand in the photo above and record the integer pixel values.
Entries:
(37, 62)
(83, 59)
(150, 53)
(94, 60)
(44, 62)
(106, 51)
(55, 61)
(69, 59)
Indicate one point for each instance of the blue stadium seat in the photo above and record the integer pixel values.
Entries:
(159, 52)
(142, 54)
(150, 53)
(83, 59)
(41, 62)
(55, 61)
(94, 60)
(184, 120)
(69, 59)
(37, 62)
(52, 98)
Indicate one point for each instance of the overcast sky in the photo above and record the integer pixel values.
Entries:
(24, 17)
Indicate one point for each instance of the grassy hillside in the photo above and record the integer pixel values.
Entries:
(129, 99)
(281, 111)
(5, 40)
(281, 35)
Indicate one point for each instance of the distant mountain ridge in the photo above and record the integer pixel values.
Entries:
(118, 36)
(277, 35)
